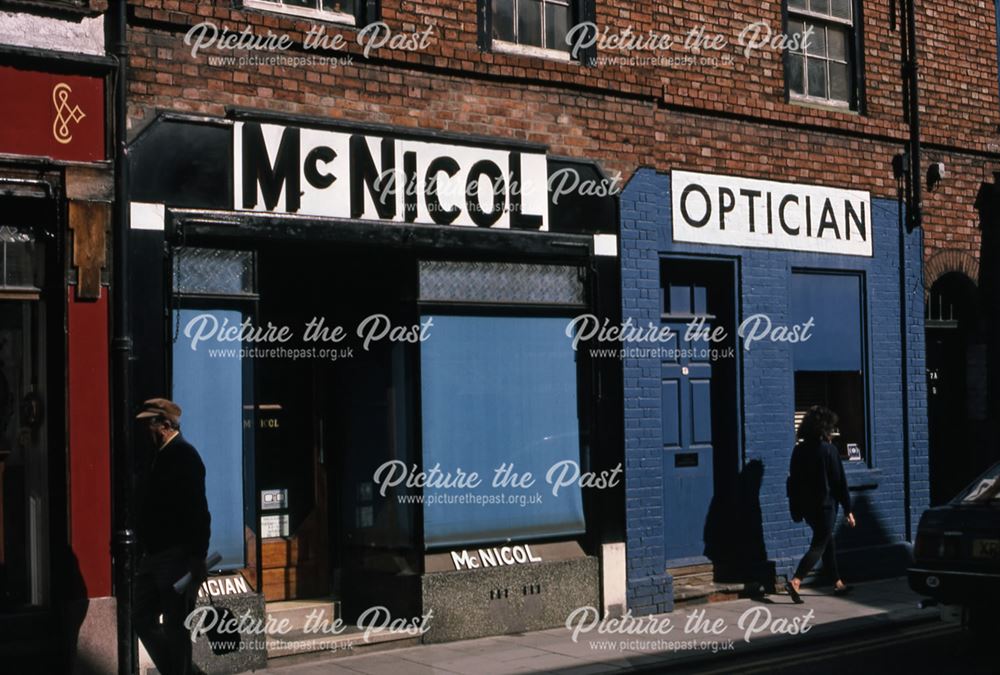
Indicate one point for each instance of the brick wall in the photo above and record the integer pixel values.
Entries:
(722, 119)
(625, 116)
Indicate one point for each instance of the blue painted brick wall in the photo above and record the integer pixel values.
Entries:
(768, 388)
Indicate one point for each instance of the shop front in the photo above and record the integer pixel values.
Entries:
(780, 296)
(55, 194)
(367, 330)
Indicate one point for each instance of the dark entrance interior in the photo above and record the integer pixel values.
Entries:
(328, 417)
(39, 577)
(956, 385)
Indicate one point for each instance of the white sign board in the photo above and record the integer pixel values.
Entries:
(314, 172)
(232, 584)
(745, 212)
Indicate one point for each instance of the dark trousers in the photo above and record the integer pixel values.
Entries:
(169, 642)
(822, 545)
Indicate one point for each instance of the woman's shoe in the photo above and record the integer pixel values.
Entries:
(793, 594)
(843, 590)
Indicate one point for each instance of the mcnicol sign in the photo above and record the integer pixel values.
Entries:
(494, 557)
(730, 211)
(313, 172)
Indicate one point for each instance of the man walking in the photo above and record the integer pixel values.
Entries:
(173, 528)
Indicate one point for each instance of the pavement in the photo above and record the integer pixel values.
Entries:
(689, 635)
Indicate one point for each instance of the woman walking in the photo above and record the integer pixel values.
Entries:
(818, 485)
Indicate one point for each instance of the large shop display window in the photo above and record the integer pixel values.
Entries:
(214, 386)
(830, 365)
(499, 387)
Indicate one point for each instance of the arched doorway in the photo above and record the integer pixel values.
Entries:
(956, 384)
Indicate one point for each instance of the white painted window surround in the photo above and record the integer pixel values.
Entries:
(305, 12)
(504, 47)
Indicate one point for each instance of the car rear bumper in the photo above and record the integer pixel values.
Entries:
(955, 587)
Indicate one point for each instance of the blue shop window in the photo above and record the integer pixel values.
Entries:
(832, 302)
(829, 366)
(212, 389)
(499, 390)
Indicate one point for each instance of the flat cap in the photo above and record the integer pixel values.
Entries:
(160, 407)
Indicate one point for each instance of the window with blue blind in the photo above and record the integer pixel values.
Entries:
(211, 388)
(496, 390)
(214, 387)
(830, 366)
(833, 303)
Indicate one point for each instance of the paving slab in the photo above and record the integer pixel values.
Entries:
(686, 635)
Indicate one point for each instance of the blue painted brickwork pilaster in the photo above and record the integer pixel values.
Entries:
(644, 211)
(768, 391)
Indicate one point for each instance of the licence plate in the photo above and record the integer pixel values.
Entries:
(986, 548)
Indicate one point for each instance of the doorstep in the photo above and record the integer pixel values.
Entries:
(695, 585)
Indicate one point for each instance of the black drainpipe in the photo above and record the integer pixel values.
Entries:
(121, 351)
(910, 70)
(914, 216)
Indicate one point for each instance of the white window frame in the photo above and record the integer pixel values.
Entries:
(813, 18)
(508, 47)
(305, 12)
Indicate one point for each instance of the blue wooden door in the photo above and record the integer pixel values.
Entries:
(686, 391)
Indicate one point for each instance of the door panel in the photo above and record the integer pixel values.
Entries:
(701, 410)
(670, 399)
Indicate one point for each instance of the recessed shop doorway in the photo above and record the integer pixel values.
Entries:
(956, 386)
(36, 574)
(340, 409)
(698, 389)
(24, 456)
(294, 415)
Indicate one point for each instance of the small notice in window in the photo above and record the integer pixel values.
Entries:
(273, 526)
(853, 452)
(273, 499)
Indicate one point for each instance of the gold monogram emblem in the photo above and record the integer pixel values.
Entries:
(65, 113)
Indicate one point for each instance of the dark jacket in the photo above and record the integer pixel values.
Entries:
(817, 477)
(173, 509)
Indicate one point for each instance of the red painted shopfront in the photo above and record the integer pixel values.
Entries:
(55, 456)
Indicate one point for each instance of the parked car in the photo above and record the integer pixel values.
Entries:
(956, 559)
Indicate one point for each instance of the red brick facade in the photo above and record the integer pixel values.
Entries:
(729, 118)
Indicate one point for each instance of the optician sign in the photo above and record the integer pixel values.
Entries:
(733, 211)
(288, 169)
(232, 584)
